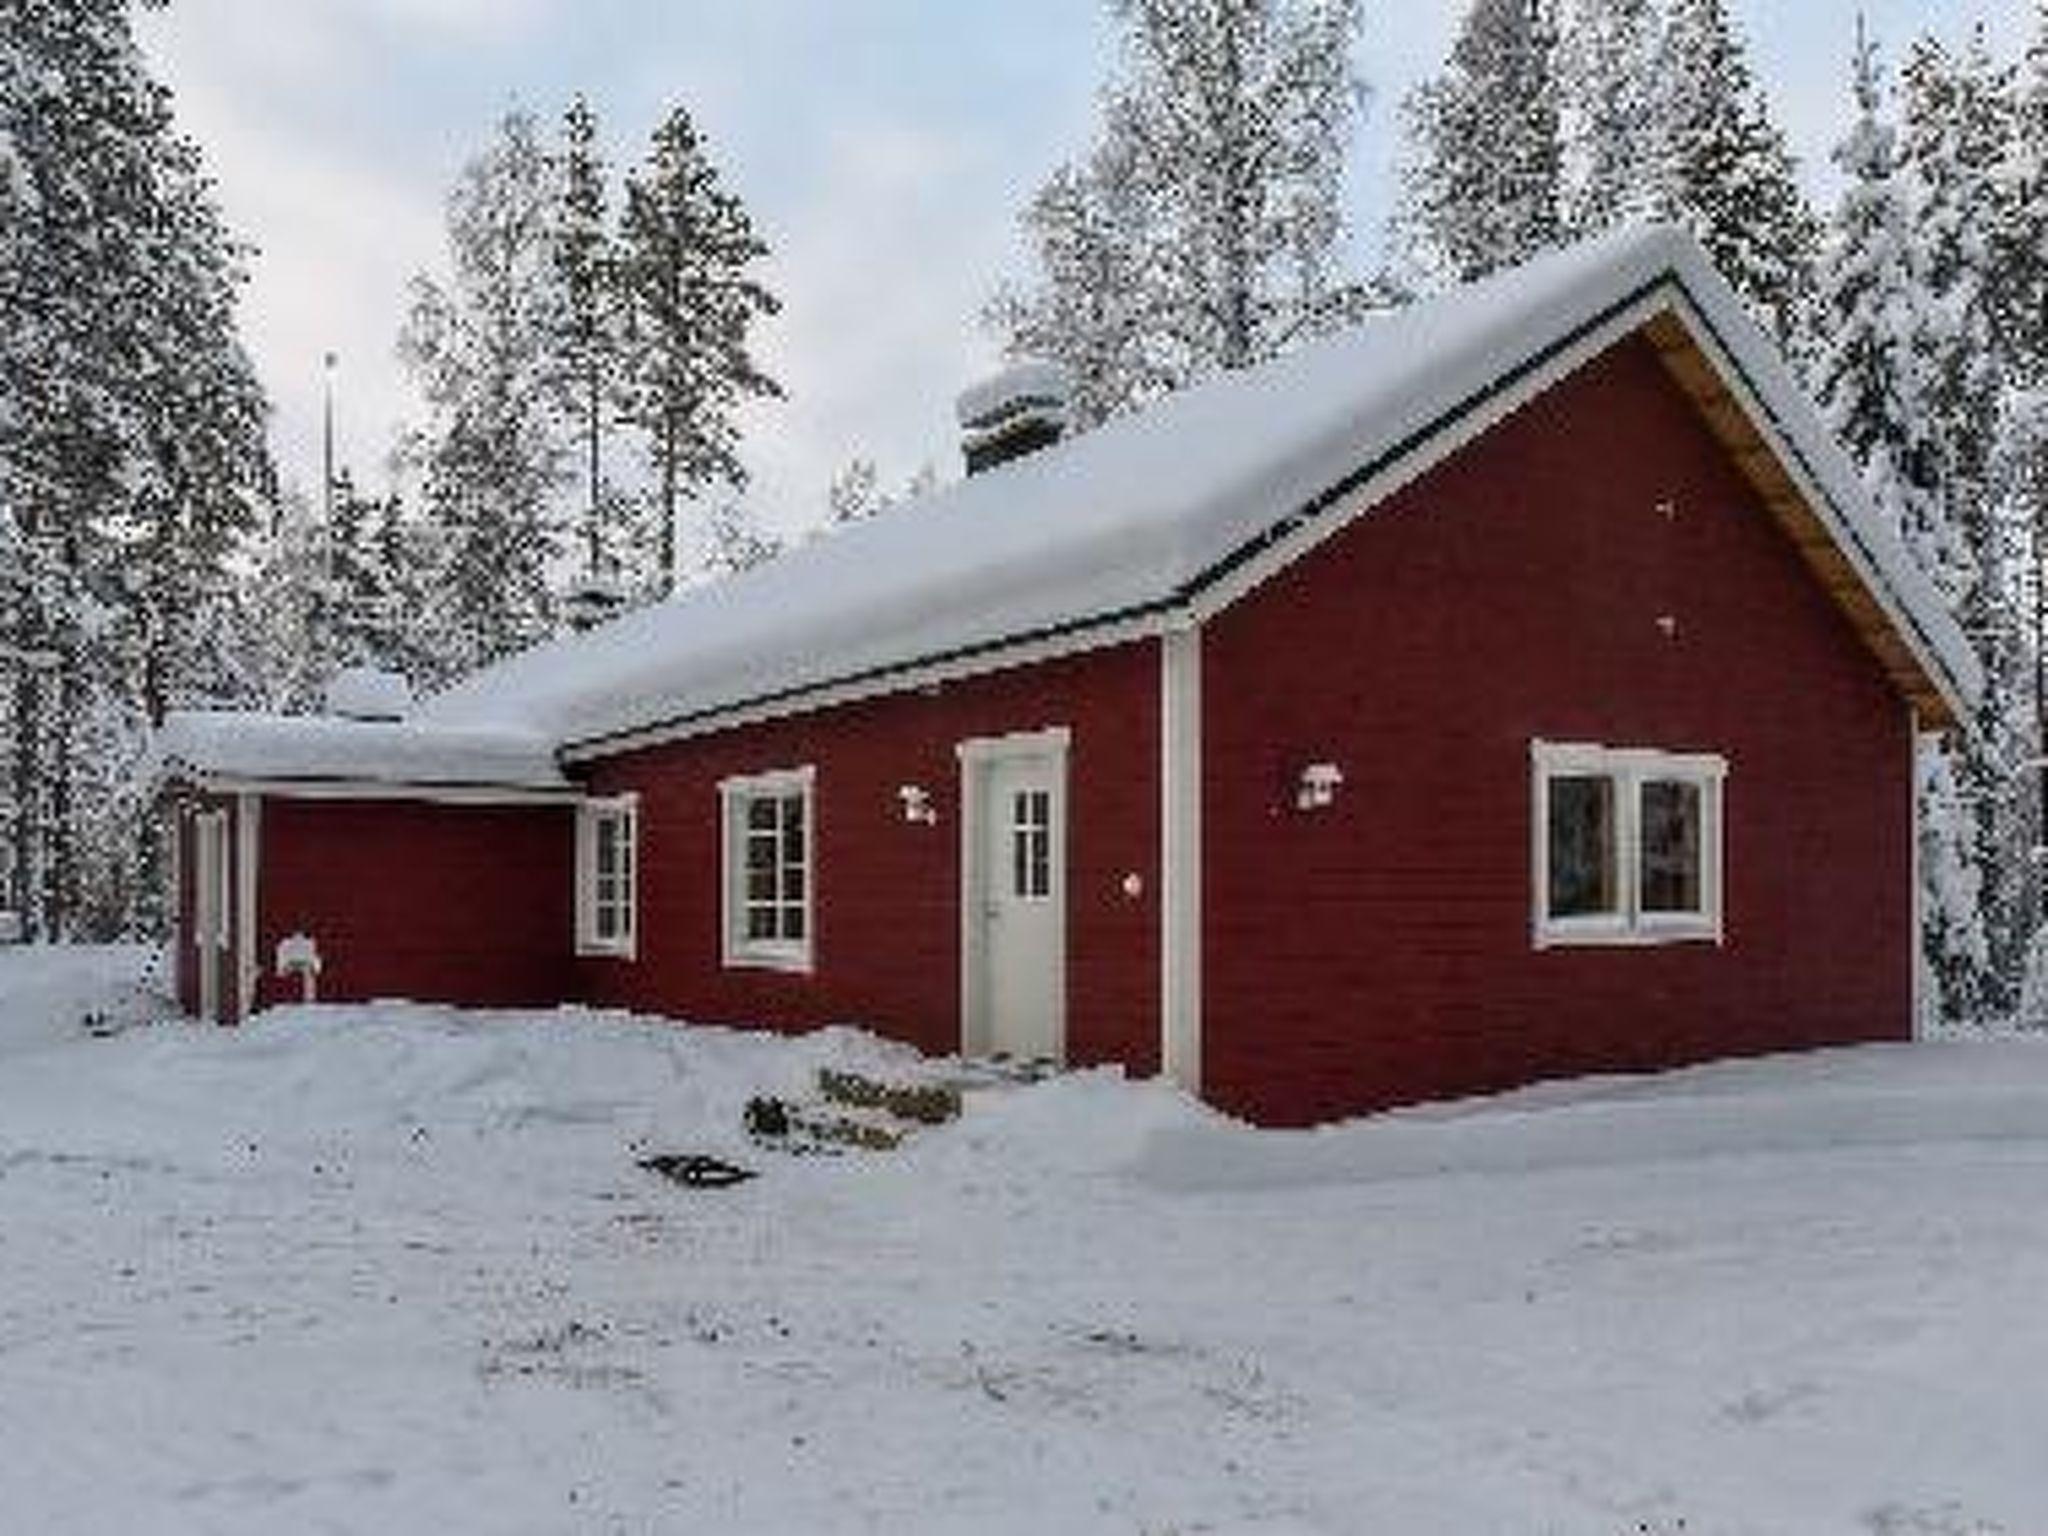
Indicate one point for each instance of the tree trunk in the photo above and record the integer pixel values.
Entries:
(671, 446)
(25, 833)
(594, 429)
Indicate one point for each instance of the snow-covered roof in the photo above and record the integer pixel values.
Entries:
(1139, 522)
(1140, 515)
(212, 746)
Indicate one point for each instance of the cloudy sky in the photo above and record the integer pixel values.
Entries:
(884, 146)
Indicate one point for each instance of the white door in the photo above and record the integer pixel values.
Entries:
(1023, 889)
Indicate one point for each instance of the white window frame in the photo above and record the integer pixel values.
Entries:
(1629, 768)
(590, 813)
(737, 950)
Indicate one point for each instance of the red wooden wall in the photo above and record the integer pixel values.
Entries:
(1379, 951)
(887, 898)
(1373, 953)
(438, 903)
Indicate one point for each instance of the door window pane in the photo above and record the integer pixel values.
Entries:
(1031, 844)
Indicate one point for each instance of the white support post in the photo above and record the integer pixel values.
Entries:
(1920, 993)
(1180, 885)
(248, 850)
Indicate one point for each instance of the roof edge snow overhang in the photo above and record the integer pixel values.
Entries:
(1704, 365)
(321, 787)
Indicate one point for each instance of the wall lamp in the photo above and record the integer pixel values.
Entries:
(1317, 786)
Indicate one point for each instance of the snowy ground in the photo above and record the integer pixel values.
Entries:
(392, 1270)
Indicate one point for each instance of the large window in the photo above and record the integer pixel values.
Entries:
(607, 876)
(768, 877)
(1627, 846)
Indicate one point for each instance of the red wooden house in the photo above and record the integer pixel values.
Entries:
(1517, 685)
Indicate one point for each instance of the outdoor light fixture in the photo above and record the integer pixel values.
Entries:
(1318, 786)
(917, 805)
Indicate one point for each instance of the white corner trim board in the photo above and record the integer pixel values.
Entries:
(248, 857)
(1180, 856)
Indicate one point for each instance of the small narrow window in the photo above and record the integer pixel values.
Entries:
(607, 876)
(768, 878)
(1627, 845)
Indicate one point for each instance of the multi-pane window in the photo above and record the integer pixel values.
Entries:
(768, 869)
(1031, 844)
(1627, 844)
(777, 867)
(607, 876)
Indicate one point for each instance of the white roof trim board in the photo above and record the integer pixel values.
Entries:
(1130, 525)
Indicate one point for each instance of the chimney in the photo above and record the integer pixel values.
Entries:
(1019, 411)
(592, 599)
(368, 693)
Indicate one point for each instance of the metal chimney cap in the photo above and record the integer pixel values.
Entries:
(1023, 386)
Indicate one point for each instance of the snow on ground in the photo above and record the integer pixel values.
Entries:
(393, 1270)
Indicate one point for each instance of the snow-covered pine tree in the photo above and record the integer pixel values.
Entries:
(2019, 488)
(1953, 150)
(688, 254)
(1485, 186)
(735, 541)
(1204, 229)
(496, 449)
(131, 438)
(1958, 132)
(1868, 375)
(1725, 171)
(857, 491)
(1609, 106)
(589, 342)
(1095, 307)
(1955, 938)
(2020, 244)
(35, 615)
(2020, 465)
(1865, 365)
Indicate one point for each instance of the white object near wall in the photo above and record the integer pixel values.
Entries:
(917, 805)
(298, 955)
